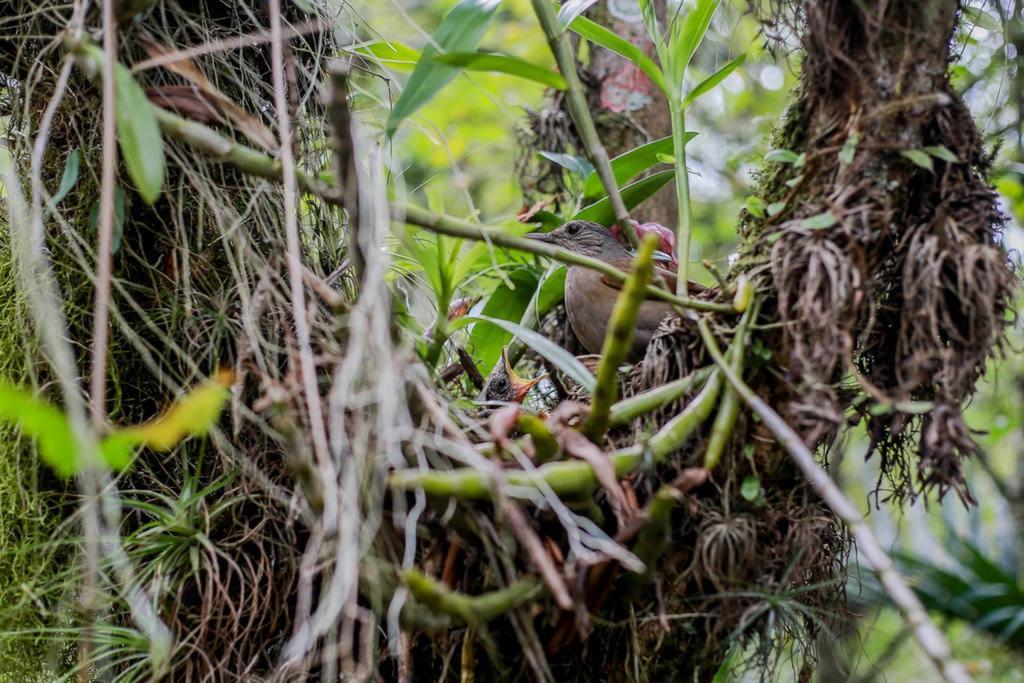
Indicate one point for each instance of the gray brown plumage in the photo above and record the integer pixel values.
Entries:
(590, 296)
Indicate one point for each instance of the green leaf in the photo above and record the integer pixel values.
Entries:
(775, 208)
(941, 152)
(119, 212)
(70, 175)
(506, 303)
(630, 164)
(572, 9)
(782, 156)
(570, 162)
(713, 80)
(488, 61)
(820, 221)
(649, 16)
(552, 290)
(632, 195)
(44, 423)
(919, 158)
(599, 35)
(392, 54)
(983, 19)
(689, 37)
(138, 135)
(750, 489)
(555, 354)
(849, 148)
(460, 31)
(755, 206)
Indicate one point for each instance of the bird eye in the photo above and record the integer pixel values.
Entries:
(500, 383)
(572, 228)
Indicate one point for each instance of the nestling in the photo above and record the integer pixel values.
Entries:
(506, 386)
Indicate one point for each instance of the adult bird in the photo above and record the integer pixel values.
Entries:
(590, 295)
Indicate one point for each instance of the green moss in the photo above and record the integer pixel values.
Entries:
(29, 514)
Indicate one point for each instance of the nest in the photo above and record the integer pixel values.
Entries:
(292, 564)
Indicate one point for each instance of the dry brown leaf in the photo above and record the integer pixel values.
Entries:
(534, 547)
(501, 423)
(249, 125)
(579, 446)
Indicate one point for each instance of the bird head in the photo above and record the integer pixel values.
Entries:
(585, 238)
(506, 386)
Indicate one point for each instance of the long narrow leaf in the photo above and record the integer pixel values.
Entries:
(714, 79)
(390, 53)
(506, 303)
(559, 357)
(70, 175)
(138, 133)
(632, 195)
(487, 61)
(694, 28)
(572, 9)
(459, 31)
(599, 35)
(630, 164)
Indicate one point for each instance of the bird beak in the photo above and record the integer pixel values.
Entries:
(520, 386)
(540, 237)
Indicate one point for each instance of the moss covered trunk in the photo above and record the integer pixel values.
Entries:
(879, 256)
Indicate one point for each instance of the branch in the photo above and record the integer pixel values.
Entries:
(242, 157)
(930, 638)
(619, 339)
(635, 406)
(576, 98)
(567, 478)
(729, 409)
(473, 610)
(253, 162)
(297, 295)
(459, 228)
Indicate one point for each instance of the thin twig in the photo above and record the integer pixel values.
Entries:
(457, 228)
(307, 362)
(101, 305)
(576, 97)
(248, 40)
(933, 643)
(100, 334)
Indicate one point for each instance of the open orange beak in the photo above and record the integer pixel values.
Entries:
(520, 386)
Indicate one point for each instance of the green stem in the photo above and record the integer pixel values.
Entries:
(473, 610)
(729, 408)
(245, 159)
(253, 162)
(682, 195)
(619, 340)
(634, 406)
(545, 445)
(447, 225)
(569, 478)
(675, 433)
(576, 98)
(654, 536)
